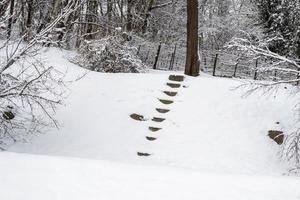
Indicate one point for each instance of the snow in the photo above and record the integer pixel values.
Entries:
(213, 143)
(40, 177)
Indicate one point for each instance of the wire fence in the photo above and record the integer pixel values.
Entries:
(217, 63)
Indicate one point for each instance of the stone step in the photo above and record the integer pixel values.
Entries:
(143, 154)
(177, 78)
(171, 94)
(154, 129)
(277, 136)
(137, 117)
(161, 110)
(167, 102)
(151, 138)
(158, 119)
(173, 85)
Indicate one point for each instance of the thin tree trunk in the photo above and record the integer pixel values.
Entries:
(29, 19)
(10, 20)
(92, 12)
(129, 15)
(147, 16)
(171, 66)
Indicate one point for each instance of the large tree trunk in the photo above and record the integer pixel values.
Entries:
(192, 58)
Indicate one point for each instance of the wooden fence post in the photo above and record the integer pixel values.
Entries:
(215, 64)
(256, 68)
(157, 56)
(275, 75)
(138, 51)
(298, 77)
(171, 66)
(235, 69)
(204, 59)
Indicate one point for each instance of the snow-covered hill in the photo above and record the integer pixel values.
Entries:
(213, 143)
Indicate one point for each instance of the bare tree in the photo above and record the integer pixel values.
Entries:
(29, 90)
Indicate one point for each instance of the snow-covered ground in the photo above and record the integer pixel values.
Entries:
(31, 177)
(213, 143)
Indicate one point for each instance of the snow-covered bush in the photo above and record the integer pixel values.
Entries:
(111, 54)
(281, 70)
(291, 151)
(30, 91)
(29, 95)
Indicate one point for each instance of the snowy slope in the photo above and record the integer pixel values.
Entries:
(212, 140)
(210, 126)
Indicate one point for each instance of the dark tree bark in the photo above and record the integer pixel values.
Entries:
(29, 19)
(10, 20)
(157, 57)
(192, 59)
(129, 15)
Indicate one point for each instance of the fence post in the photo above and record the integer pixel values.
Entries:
(171, 66)
(298, 77)
(235, 69)
(138, 51)
(256, 68)
(204, 59)
(275, 75)
(157, 56)
(215, 64)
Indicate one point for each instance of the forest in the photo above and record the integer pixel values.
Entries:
(84, 66)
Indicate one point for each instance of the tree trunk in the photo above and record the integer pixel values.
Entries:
(11, 15)
(147, 16)
(29, 19)
(129, 15)
(91, 13)
(192, 58)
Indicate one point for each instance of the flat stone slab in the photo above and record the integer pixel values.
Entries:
(161, 110)
(151, 138)
(137, 117)
(177, 78)
(158, 119)
(143, 154)
(277, 136)
(167, 102)
(173, 85)
(154, 129)
(171, 94)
